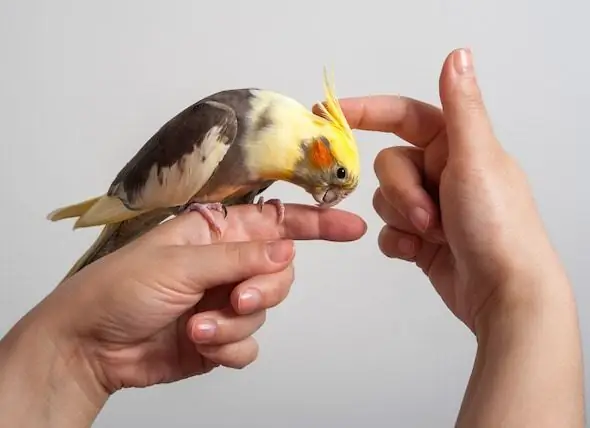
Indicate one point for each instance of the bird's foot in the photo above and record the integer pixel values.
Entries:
(277, 203)
(206, 211)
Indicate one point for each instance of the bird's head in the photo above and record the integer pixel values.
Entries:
(330, 167)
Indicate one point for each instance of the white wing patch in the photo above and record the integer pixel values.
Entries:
(177, 184)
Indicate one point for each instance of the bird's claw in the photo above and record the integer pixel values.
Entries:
(205, 211)
(277, 203)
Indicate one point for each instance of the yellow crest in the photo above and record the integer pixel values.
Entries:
(332, 111)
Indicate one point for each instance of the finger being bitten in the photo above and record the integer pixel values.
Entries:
(236, 355)
(262, 291)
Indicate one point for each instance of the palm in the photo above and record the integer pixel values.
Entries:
(148, 353)
(405, 172)
(160, 350)
(153, 358)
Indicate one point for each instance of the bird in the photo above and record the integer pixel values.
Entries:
(225, 149)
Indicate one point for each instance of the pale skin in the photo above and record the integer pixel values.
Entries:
(145, 314)
(176, 303)
(493, 265)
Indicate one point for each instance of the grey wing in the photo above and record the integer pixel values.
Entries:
(179, 159)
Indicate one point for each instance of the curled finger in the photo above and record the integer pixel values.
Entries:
(222, 327)
(236, 355)
(390, 215)
(262, 291)
(394, 218)
(397, 244)
(399, 171)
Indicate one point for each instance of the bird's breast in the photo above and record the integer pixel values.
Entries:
(223, 192)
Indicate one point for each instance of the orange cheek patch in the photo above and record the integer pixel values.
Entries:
(320, 155)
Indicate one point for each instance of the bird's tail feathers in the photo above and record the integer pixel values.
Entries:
(93, 252)
(74, 210)
(97, 211)
(115, 235)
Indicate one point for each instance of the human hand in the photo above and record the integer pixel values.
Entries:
(166, 306)
(456, 203)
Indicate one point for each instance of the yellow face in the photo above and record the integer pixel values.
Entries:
(317, 152)
(329, 169)
(331, 161)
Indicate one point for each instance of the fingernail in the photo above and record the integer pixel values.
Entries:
(463, 61)
(419, 218)
(280, 251)
(205, 329)
(406, 246)
(249, 300)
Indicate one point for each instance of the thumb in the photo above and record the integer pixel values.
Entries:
(469, 130)
(213, 265)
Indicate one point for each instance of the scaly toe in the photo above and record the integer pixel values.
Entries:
(276, 202)
(205, 211)
(280, 208)
(260, 203)
(219, 207)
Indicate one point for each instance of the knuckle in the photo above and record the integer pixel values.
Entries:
(254, 351)
(248, 355)
(382, 159)
(280, 287)
(387, 212)
(393, 156)
(377, 199)
(380, 205)
(246, 256)
(389, 243)
(396, 179)
(384, 241)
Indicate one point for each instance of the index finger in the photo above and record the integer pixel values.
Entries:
(247, 222)
(307, 222)
(414, 121)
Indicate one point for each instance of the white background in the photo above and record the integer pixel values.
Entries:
(362, 340)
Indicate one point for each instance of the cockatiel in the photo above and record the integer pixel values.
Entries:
(225, 149)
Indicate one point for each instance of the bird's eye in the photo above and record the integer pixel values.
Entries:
(341, 173)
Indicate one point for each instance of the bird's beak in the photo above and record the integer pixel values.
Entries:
(328, 197)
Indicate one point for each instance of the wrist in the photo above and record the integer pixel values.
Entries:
(526, 293)
(528, 366)
(45, 379)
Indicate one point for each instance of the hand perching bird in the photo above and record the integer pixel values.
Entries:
(224, 150)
